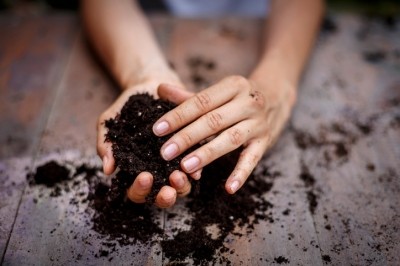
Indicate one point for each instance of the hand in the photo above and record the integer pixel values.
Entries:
(236, 111)
(180, 186)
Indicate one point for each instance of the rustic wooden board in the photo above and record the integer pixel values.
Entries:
(342, 98)
(29, 47)
(33, 51)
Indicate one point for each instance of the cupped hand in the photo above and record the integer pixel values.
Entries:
(180, 186)
(234, 112)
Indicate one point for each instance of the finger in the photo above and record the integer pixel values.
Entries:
(229, 140)
(204, 127)
(173, 93)
(166, 197)
(104, 148)
(196, 175)
(195, 107)
(248, 160)
(180, 182)
(140, 188)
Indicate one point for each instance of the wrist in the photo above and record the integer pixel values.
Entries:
(150, 72)
(150, 82)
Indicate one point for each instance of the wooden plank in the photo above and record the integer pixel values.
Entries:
(70, 136)
(350, 101)
(31, 62)
(33, 53)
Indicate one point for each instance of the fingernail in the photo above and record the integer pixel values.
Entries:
(179, 182)
(191, 163)
(170, 151)
(234, 186)
(161, 128)
(105, 162)
(145, 182)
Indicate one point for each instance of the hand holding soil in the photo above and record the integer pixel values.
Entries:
(143, 184)
(234, 112)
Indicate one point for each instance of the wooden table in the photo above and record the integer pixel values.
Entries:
(345, 131)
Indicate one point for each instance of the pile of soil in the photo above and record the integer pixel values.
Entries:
(118, 219)
(52, 175)
(211, 205)
(49, 174)
(135, 147)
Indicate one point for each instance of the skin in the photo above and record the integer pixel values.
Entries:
(236, 111)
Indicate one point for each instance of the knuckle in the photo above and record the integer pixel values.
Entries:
(186, 139)
(209, 152)
(178, 116)
(214, 121)
(236, 137)
(202, 101)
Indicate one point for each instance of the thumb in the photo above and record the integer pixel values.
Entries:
(173, 93)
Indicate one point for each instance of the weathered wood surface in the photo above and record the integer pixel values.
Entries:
(344, 132)
(33, 52)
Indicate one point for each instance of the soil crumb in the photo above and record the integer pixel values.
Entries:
(281, 260)
(326, 258)
(374, 57)
(49, 174)
(329, 25)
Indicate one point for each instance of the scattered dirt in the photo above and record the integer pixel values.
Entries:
(116, 219)
(281, 260)
(329, 26)
(210, 205)
(200, 68)
(374, 57)
(326, 258)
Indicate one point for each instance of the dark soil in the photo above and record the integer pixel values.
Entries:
(326, 258)
(199, 68)
(49, 174)
(211, 205)
(135, 147)
(329, 25)
(281, 260)
(374, 56)
(118, 218)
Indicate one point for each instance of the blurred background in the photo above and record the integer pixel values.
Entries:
(384, 8)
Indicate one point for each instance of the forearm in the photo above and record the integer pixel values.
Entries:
(123, 38)
(289, 37)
